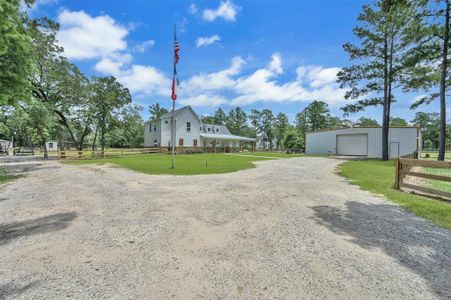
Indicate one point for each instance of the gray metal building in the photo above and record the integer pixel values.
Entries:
(363, 141)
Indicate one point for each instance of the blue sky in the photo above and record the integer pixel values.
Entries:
(256, 54)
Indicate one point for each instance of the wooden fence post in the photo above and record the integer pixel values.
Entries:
(397, 177)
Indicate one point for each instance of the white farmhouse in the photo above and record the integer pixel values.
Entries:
(190, 132)
(363, 141)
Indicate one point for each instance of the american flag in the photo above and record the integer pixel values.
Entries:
(175, 80)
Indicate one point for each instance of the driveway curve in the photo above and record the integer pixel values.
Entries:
(287, 229)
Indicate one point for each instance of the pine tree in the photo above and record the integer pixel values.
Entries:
(380, 59)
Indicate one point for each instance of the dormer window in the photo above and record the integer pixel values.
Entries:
(209, 129)
(188, 126)
(217, 130)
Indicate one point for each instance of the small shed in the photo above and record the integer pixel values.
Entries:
(51, 146)
(5, 145)
(363, 141)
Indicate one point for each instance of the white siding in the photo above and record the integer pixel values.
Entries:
(166, 129)
(51, 146)
(181, 133)
(325, 142)
(151, 136)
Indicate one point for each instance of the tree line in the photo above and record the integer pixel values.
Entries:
(43, 96)
(275, 131)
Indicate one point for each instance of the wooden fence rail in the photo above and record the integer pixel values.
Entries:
(416, 168)
(87, 154)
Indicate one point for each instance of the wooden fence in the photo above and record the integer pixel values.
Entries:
(426, 180)
(86, 154)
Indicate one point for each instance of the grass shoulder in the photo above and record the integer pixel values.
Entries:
(194, 164)
(378, 177)
(5, 177)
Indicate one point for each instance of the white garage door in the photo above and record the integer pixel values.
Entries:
(352, 144)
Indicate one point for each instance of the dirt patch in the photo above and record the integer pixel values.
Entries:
(287, 229)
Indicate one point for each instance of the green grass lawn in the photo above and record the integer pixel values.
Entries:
(272, 154)
(434, 155)
(437, 184)
(378, 177)
(192, 164)
(5, 177)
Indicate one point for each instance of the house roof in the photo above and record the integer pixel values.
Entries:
(222, 128)
(226, 137)
(177, 113)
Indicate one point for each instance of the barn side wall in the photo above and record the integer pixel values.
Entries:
(325, 142)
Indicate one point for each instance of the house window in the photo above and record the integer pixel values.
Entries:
(166, 122)
(155, 143)
(150, 127)
(50, 145)
(181, 142)
(195, 143)
(209, 129)
(154, 127)
(217, 130)
(188, 127)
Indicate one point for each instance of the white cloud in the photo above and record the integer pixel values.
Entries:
(145, 80)
(317, 76)
(142, 47)
(276, 64)
(192, 9)
(203, 100)
(205, 41)
(226, 10)
(229, 87)
(86, 37)
(109, 67)
(216, 81)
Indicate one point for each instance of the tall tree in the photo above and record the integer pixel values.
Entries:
(15, 53)
(236, 121)
(156, 111)
(292, 139)
(207, 119)
(42, 121)
(267, 127)
(108, 96)
(255, 118)
(397, 121)
(314, 117)
(127, 128)
(430, 127)
(280, 126)
(219, 117)
(367, 122)
(380, 57)
(429, 59)
(59, 83)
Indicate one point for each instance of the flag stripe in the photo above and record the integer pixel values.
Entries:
(175, 80)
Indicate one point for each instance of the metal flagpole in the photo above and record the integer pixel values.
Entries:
(173, 134)
(173, 109)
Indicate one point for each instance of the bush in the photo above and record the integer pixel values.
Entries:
(292, 139)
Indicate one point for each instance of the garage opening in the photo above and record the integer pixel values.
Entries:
(352, 144)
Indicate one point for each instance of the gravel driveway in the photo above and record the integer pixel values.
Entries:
(288, 229)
